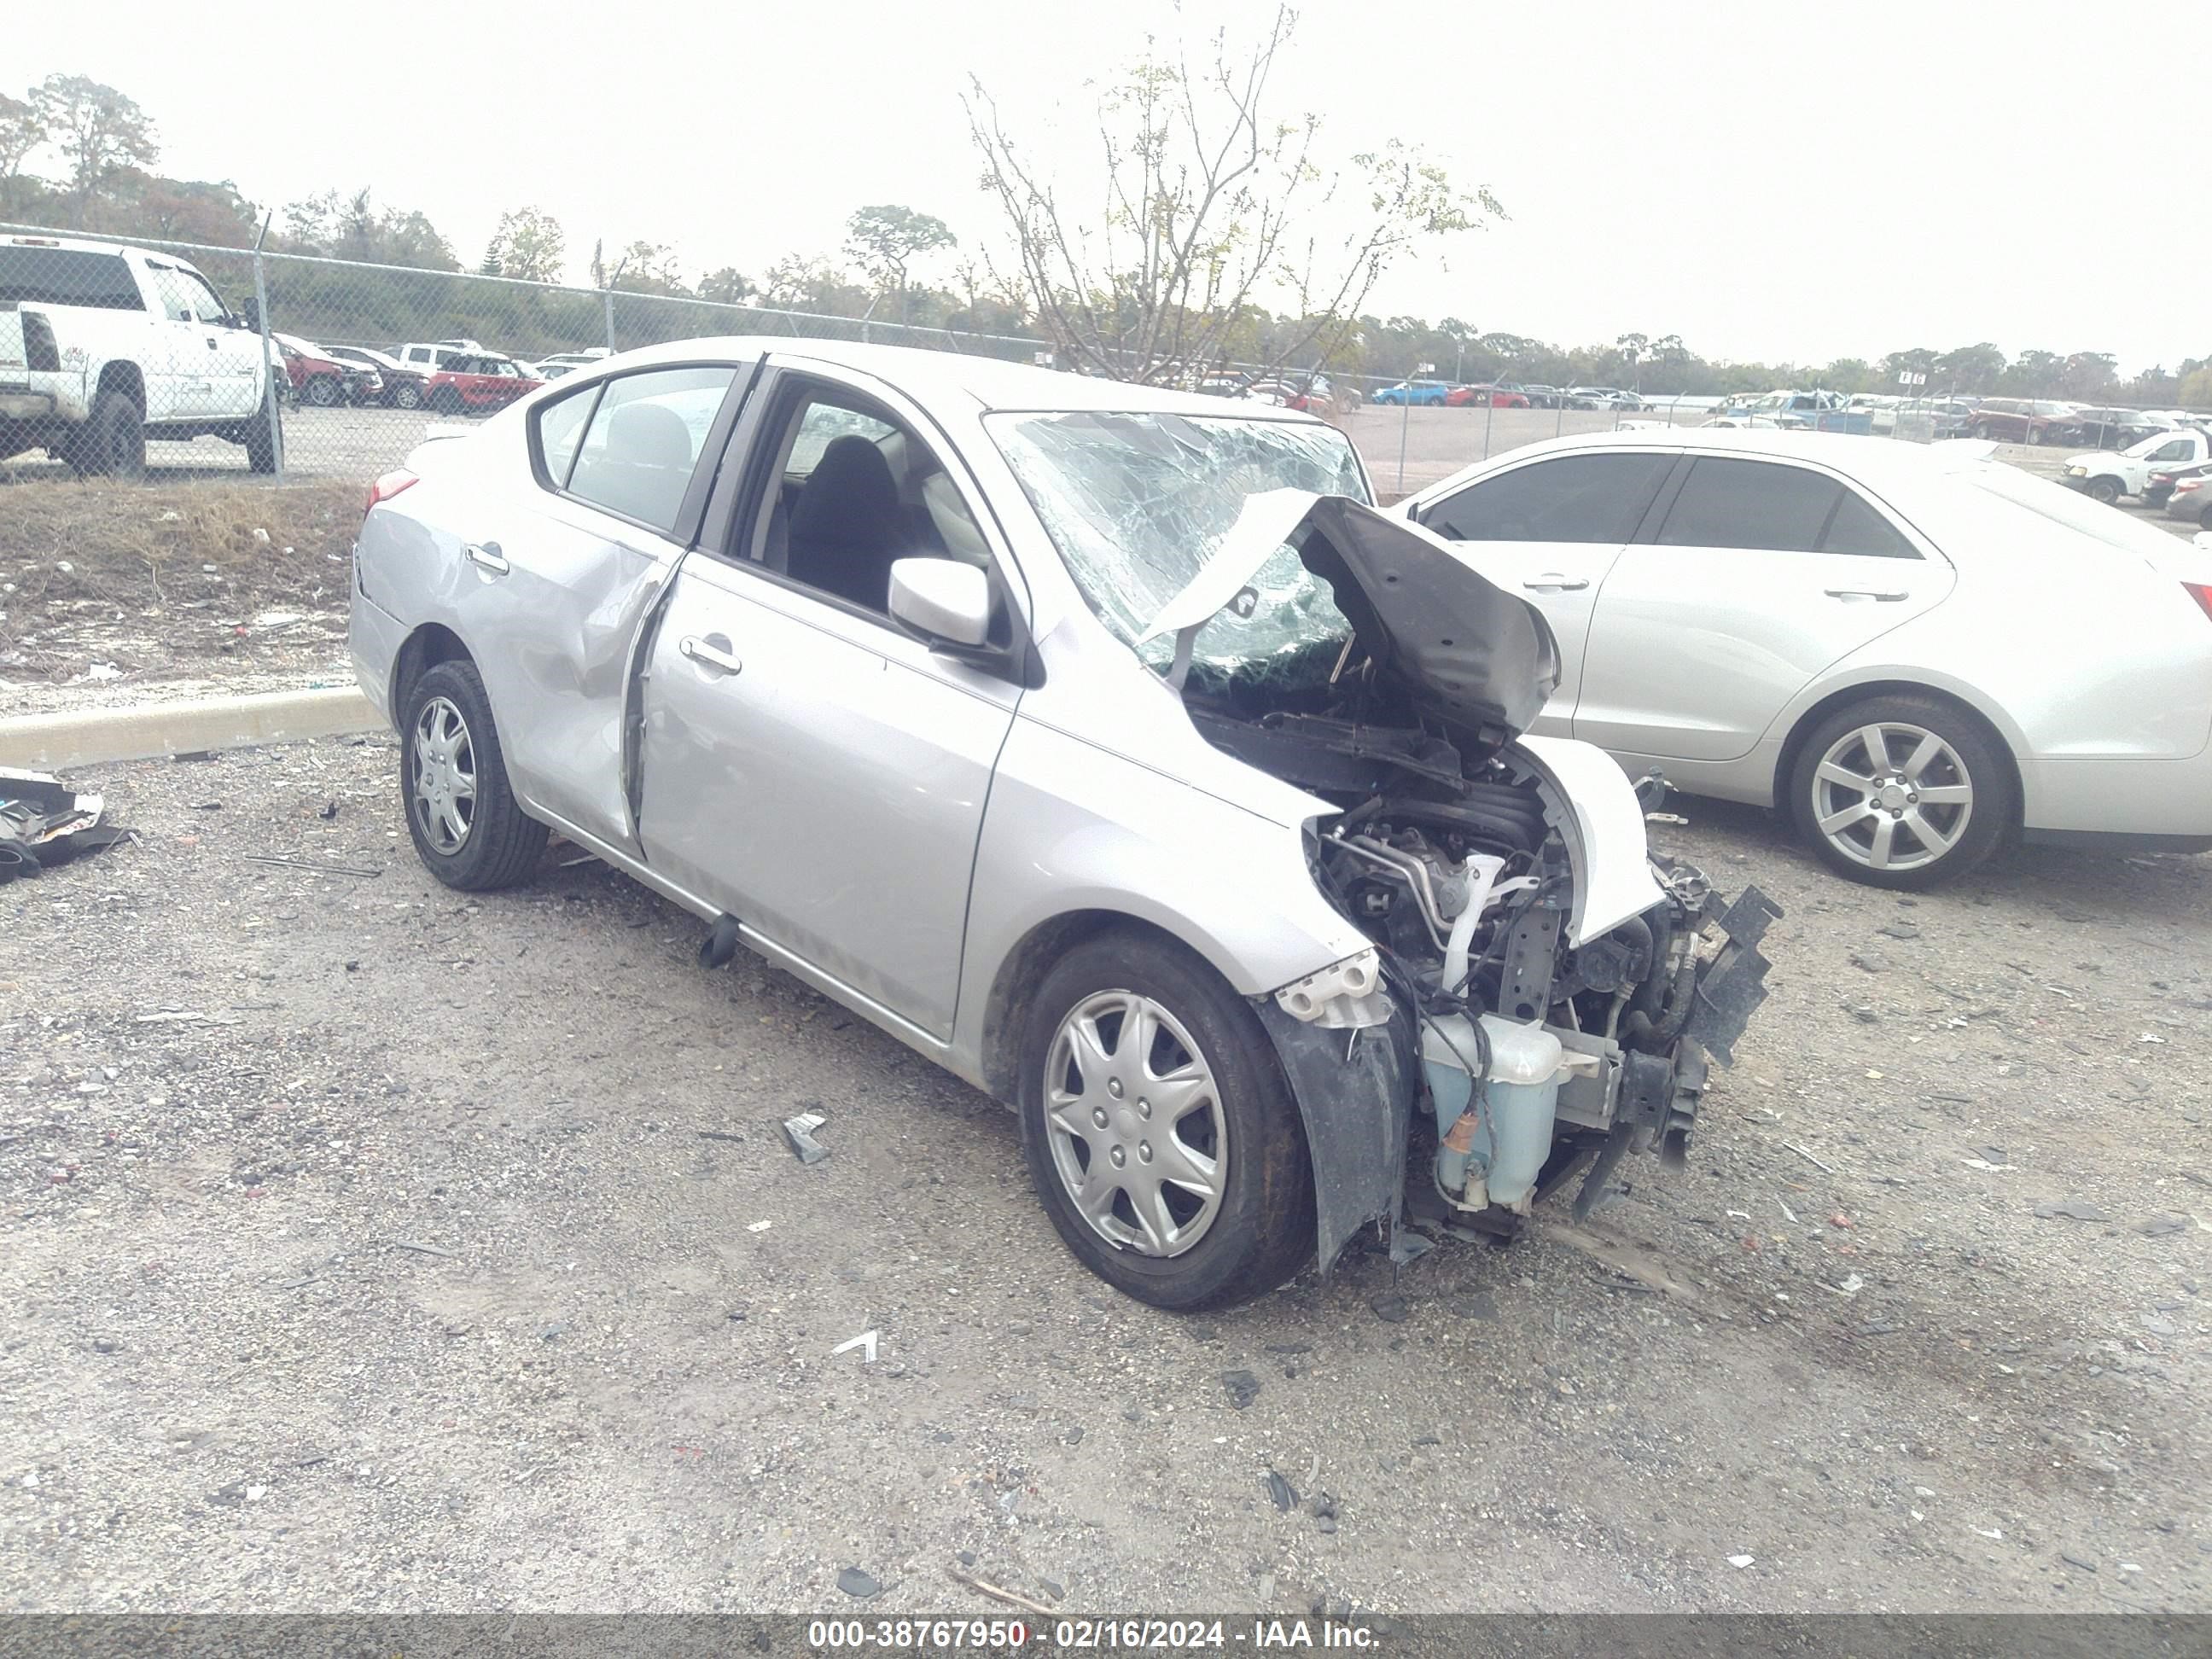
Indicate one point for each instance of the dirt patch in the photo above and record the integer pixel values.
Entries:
(98, 583)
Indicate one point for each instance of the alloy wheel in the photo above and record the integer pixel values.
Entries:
(445, 791)
(1135, 1124)
(1888, 812)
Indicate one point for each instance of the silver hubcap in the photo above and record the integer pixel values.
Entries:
(445, 776)
(1893, 796)
(1137, 1132)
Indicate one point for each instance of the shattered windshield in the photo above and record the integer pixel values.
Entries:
(1137, 503)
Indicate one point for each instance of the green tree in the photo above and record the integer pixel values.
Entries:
(885, 241)
(99, 131)
(728, 285)
(647, 268)
(2088, 374)
(2194, 391)
(22, 130)
(529, 243)
(1977, 368)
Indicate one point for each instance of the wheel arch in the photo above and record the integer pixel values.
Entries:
(120, 374)
(1007, 1009)
(1803, 728)
(429, 645)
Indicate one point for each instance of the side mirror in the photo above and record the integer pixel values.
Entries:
(942, 600)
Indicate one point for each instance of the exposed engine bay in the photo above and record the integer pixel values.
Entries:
(1554, 993)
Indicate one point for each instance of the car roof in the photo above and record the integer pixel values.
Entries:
(1856, 455)
(993, 383)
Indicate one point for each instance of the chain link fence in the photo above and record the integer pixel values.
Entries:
(179, 360)
(175, 359)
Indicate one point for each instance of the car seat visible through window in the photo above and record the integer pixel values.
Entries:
(845, 528)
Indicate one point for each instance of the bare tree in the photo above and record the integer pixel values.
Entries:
(1208, 210)
(98, 130)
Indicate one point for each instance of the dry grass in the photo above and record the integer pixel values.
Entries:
(82, 560)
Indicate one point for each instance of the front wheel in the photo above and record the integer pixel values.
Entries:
(322, 392)
(2107, 490)
(1159, 1127)
(461, 813)
(1902, 792)
(259, 437)
(408, 396)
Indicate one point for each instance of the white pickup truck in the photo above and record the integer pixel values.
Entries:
(2105, 477)
(103, 347)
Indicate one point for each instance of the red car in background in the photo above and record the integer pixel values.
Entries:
(1462, 396)
(478, 386)
(323, 381)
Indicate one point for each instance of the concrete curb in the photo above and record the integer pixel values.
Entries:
(49, 743)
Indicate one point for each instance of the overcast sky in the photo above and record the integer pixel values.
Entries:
(1768, 181)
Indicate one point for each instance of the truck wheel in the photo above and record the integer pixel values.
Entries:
(260, 442)
(112, 443)
(446, 401)
(2107, 490)
(1161, 1136)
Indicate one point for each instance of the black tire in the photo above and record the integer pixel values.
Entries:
(1979, 429)
(501, 845)
(2205, 518)
(2107, 490)
(446, 401)
(1976, 755)
(407, 395)
(259, 440)
(322, 392)
(1262, 1231)
(112, 443)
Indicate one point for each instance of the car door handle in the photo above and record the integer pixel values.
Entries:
(1854, 595)
(712, 653)
(1552, 582)
(486, 556)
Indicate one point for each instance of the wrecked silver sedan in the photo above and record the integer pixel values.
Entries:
(1101, 743)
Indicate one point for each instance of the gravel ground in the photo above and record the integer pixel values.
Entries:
(366, 1247)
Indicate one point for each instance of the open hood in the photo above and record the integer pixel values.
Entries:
(1460, 647)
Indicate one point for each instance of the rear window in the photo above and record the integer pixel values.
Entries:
(66, 276)
(2058, 505)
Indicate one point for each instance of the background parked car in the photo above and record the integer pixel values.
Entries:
(1605, 397)
(2163, 479)
(326, 381)
(428, 357)
(2104, 476)
(478, 386)
(402, 387)
(1949, 650)
(1415, 392)
(2116, 428)
(1541, 396)
(2192, 497)
(2020, 420)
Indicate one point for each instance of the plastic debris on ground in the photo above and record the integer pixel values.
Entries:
(799, 1132)
(45, 823)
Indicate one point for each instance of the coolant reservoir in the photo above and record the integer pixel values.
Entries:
(1515, 1136)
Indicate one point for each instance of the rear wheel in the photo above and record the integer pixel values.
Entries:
(446, 400)
(461, 813)
(1902, 792)
(112, 443)
(1158, 1128)
(259, 437)
(1980, 429)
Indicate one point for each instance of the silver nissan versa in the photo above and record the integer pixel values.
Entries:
(1102, 743)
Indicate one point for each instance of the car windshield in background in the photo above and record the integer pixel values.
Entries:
(1137, 503)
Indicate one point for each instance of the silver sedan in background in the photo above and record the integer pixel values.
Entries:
(1101, 743)
(1915, 651)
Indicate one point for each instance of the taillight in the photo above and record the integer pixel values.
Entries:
(2202, 593)
(392, 484)
(2185, 485)
(40, 353)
